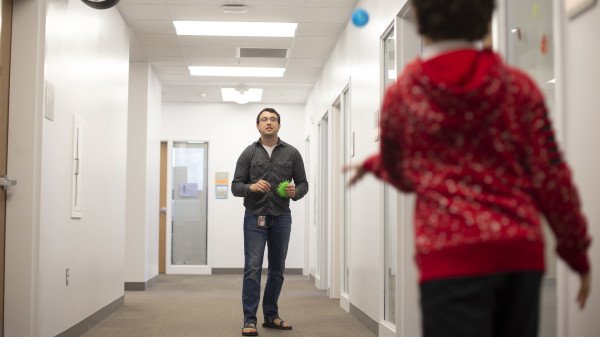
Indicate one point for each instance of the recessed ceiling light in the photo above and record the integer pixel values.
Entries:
(235, 95)
(236, 71)
(222, 28)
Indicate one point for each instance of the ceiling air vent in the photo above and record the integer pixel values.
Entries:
(263, 53)
(235, 8)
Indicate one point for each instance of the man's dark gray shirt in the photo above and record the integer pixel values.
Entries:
(254, 164)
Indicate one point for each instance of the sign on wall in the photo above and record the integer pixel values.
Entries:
(221, 185)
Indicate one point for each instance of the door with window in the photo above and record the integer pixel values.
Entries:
(189, 200)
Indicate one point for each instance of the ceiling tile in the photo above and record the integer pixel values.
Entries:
(333, 15)
(239, 42)
(314, 42)
(142, 2)
(311, 29)
(152, 26)
(202, 51)
(167, 60)
(161, 51)
(154, 39)
(311, 53)
(173, 70)
(234, 62)
(157, 40)
(331, 3)
(305, 64)
(144, 12)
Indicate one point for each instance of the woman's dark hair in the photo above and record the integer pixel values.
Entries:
(269, 110)
(453, 19)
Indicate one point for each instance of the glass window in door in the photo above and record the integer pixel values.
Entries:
(189, 208)
(390, 222)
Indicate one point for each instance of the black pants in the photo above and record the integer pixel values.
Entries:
(499, 305)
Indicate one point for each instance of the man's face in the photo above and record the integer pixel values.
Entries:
(268, 124)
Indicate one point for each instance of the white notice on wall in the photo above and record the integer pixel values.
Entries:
(188, 190)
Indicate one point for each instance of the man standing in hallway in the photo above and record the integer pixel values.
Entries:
(260, 169)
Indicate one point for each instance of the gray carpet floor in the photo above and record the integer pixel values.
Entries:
(211, 306)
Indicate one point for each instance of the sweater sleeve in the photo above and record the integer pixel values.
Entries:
(555, 192)
(388, 164)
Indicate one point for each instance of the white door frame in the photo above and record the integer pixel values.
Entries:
(182, 269)
(408, 320)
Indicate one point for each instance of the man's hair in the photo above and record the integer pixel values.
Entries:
(453, 19)
(269, 110)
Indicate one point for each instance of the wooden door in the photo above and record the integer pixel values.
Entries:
(162, 220)
(5, 35)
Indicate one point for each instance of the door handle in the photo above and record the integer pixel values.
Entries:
(5, 182)
(163, 210)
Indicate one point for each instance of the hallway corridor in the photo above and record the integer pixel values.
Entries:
(93, 96)
(210, 306)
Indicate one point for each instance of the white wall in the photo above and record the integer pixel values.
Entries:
(86, 58)
(229, 129)
(356, 61)
(143, 174)
(153, 173)
(582, 119)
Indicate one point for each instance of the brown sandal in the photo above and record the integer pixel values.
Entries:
(249, 325)
(272, 325)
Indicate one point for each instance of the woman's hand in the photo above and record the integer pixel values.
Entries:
(584, 289)
(358, 175)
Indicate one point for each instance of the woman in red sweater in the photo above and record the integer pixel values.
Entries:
(471, 137)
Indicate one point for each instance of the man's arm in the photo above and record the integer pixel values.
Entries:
(299, 176)
(240, 185)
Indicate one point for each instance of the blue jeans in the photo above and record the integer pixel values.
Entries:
(277, 237)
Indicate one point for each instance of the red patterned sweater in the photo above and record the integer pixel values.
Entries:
(472, 138)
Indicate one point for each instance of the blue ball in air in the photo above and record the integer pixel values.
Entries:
(360, 17)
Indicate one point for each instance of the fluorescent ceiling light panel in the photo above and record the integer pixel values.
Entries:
(236, 71)
(233, 95)
(223, 28)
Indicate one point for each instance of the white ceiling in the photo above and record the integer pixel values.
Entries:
(320, 23)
